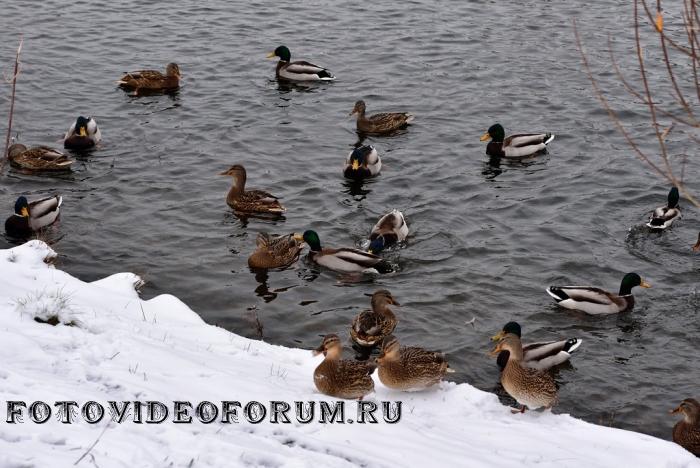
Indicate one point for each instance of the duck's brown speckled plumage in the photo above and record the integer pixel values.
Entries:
(152, 80)
(409, 368)
(686, 432)
(378, 124)
(275, 252)
(249, 201)
(342, 378)
(38, 158)
(371, 326)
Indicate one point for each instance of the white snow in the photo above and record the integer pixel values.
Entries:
(124, 349)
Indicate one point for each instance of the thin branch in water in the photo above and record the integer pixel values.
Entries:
(12, 104)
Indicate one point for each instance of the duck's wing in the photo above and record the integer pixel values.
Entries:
(44, 212)
(544, 355)
(422, 357)
(368, 323)
(358, 257)
(301, 70)
(355, 372)
(663, 217)
(588, 299)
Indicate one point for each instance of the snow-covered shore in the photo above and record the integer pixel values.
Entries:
(120, 348)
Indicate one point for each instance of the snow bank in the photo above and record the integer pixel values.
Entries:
(108, 345)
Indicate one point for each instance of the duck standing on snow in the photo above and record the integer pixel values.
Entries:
(345, 259)
(297, 71)
(409, 368)
(515, 146)
(249, 201)
(541, 355)
(152, 80)
(38, 158)
(389, 230)
(529, 387)
(275, 252)
(686, 432)
(379, 124)
(362, 162)
(369, 327)
(597, 301)
(83, 134)
(342, 378)
(34, 216)
(663, 216)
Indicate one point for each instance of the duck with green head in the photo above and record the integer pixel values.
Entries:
(543, 354)
(344, 259)
(389, 230)
(299, 70)
(32, 216)
(83, 134)
(597, 301)
(362, 162)
(515, 146)
(663, 216)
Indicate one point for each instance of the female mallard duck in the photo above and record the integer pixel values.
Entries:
(369, 327)
(529, 387)
(515, 146)
(389, 230)
(362, 162)
(249, 201)
(409, 368)
(38, 158)
(297, 71)
(542, 355)
(696, 247)
(83, 134)
(663, 216)
(379, 124)
(342, 378)
(346, 260)
(34, 216)
(275, 252)
(597, 301)
(152, 80)
(686, 432)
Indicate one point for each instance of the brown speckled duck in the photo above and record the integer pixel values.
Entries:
(38, 158)
(379, 124)
(369, 327)
(249, 201)
(529, 387)
(152, 80)
(275, 252)
(409, 368)
(686, 432)
(342, 378)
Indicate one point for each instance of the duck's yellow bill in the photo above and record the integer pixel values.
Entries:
(644, 284)
(355, 165)
(24, 212)
(83, 132)
(485, 137)
(498, 336)
(298, 237)
(271, 55)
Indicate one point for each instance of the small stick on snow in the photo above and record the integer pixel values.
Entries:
(93, 444)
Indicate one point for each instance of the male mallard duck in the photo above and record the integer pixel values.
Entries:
(409, 368)
(275, 252)
(362, 162)
(83, 134)
(249, 201)
(152, 80)
(38, 158)
(686, 432)
(531, 388)
(515, 146)
(369, 327)
(31, 217)
(663, 216)
(342, 378)
(297, 71)
(379, 124)
(598, 301)
(389, 230)
(346, 260)
(542, 355)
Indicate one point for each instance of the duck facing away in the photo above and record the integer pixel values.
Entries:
(379, 124)
(38, 158)
(515, 146)
(597, 301)
(369, 327)
(409, 368)
(345, 259)
(541, 355)
(362, 162)
(663, 216)
(152, 80)
(83, 134)
(34, 216)
(389, 230)
(529, 387)
(275, 252)
(686, 432)
(342, 378)
(297, 71)
(249, 201)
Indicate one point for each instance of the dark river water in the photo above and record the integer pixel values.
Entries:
(485, 239)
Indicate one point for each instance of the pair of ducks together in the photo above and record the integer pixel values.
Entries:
(399, 367)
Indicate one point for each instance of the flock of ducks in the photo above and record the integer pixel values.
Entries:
(524, 368)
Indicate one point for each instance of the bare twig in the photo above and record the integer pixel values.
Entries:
(93, 444)
(12, 104)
